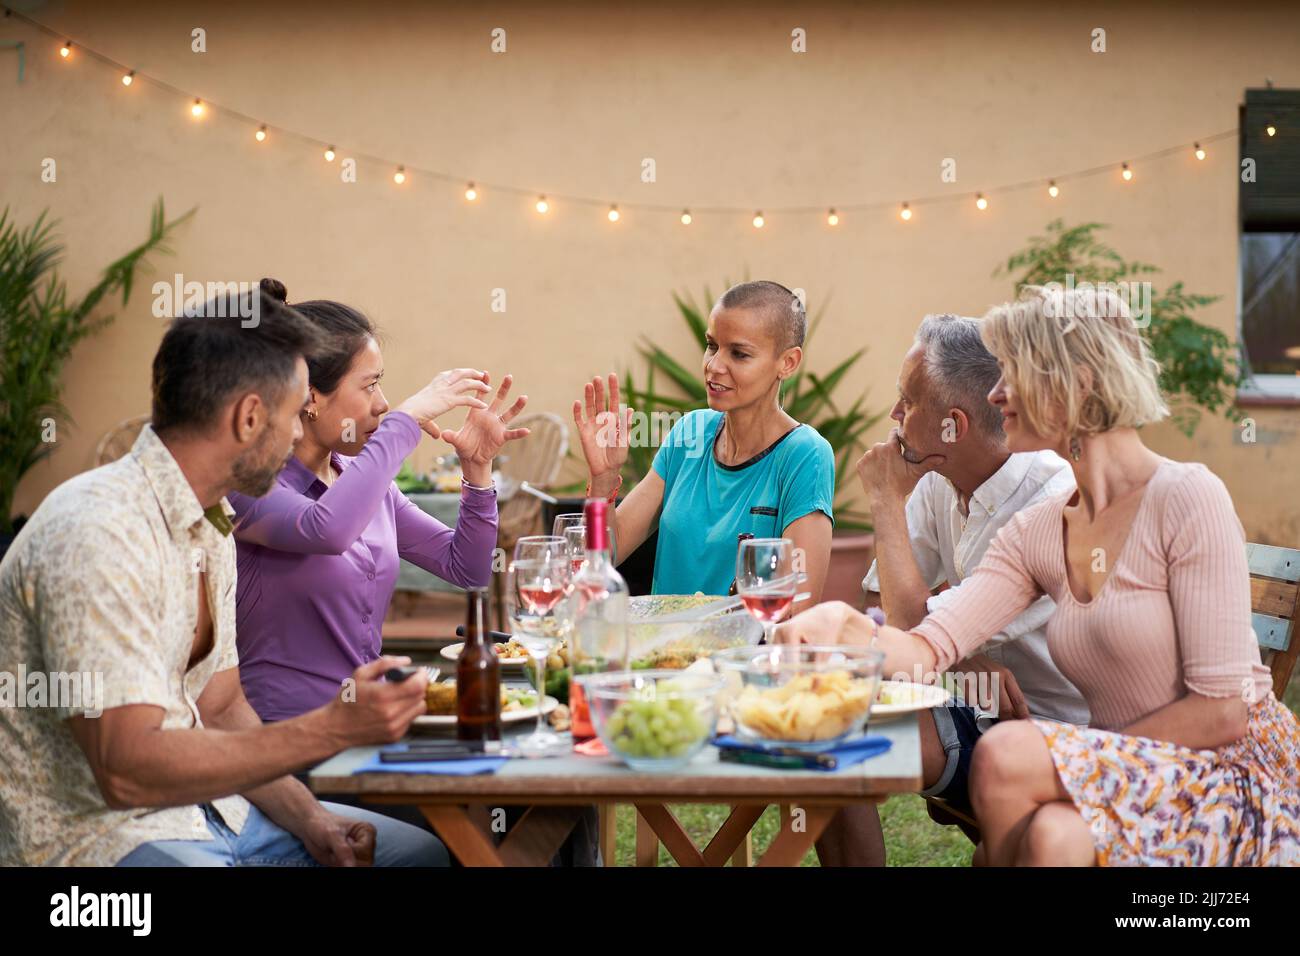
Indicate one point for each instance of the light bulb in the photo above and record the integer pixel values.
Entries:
(128, 78)
(471, 193)
(1127, 173)
(196, 109)
(1270, 129)
(260, 135)
(905, 213)
(65, 51)
(1052, 189)
(686, 217)
(758, 220)
(832, 218)
(613, 214)
(980, 202)
(542, 205)
(1200, 151)
(329, 154)
(399, 177)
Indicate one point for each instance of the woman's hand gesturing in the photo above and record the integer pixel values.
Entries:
(484, 433)
(460, 386)
(603, 431)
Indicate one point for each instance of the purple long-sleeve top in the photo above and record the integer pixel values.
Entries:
(317, 568)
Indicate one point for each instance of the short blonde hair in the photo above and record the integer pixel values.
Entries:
(1045, 338)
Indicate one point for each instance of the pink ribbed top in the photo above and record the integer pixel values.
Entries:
(1173, 615)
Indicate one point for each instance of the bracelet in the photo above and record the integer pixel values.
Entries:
(466, 484)
(613, 495)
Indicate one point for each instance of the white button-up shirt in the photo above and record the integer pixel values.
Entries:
(949, 544)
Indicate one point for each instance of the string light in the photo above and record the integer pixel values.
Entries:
(1270, 129)
(198, 109)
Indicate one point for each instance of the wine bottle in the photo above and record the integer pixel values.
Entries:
(600, 639)
(478, 677)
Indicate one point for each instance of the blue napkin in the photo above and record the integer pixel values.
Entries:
(848, 754)
(469, 767)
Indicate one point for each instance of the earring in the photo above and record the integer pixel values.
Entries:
(1076, 448)
(312, 414)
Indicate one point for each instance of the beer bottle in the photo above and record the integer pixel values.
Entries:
(478, 677)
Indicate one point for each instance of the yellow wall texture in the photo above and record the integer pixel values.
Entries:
(715, 96)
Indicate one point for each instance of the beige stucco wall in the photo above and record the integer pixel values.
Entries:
(731, 117)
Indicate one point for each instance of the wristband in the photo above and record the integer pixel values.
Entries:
(613, 495)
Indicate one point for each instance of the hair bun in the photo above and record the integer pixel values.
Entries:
(275, 289)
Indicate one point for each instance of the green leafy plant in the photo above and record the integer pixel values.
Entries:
(807, 396)
(39, 326)
(1199, 367)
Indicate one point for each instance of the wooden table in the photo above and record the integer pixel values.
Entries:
(555, 789)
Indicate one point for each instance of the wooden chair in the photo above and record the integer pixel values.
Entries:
(1274, 605)
(117, 441)
(537, 460)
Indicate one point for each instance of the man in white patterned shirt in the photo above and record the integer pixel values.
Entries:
(127, 572)
(949, 453)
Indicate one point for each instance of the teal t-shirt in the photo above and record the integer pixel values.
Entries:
(707, 504)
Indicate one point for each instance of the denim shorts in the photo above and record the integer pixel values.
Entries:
(958, 734)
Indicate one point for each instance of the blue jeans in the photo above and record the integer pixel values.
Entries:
(264, 843)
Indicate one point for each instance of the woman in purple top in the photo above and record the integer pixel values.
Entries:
(318, 554)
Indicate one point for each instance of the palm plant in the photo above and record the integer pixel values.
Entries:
(39, 326)
(806, 396)
(1198, 363)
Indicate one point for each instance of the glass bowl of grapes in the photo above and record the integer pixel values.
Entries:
(655, 720)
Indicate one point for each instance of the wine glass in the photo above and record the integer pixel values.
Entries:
(766, 579)
(575, 540)
(564, 522)
(539, 586)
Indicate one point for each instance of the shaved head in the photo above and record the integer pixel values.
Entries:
(781, 310)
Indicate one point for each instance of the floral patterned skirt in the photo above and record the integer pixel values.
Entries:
(1151, 803)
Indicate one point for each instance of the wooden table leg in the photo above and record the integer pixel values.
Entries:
(733, 838)
(532, 841)
(538, 835)
(608, 828)
(471, 845)
(789, 847)
(669, 830)
(647, 844)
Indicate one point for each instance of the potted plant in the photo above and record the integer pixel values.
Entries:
(807, 396)
(39, 326)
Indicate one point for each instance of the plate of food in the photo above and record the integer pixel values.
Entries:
(511, 653)
(898, 697)
(517, 703)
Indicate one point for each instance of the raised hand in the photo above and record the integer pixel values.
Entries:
(448, 390)
(484, 433)
(602, 429)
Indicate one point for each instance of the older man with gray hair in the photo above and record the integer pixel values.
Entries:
(949, 453)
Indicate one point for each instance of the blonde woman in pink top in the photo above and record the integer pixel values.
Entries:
(1190, 759)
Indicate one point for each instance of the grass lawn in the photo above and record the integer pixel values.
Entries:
(911, 837)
